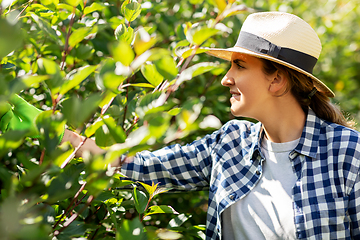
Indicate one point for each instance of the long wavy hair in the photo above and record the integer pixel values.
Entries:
(300, 86)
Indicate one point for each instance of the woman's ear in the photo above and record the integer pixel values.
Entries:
(278, 83)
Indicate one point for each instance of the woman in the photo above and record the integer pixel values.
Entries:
(294, 174)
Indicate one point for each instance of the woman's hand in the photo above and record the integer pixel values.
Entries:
(84, 144)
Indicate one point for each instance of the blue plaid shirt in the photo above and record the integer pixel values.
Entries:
(326, 196)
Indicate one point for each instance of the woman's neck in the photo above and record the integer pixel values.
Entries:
(284, 121)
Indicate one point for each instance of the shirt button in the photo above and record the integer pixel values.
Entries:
(257, 172)
(232, 197)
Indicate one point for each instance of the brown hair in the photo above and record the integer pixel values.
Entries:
(301, 86)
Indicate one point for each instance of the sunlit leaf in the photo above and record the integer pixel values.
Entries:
(124, 33)
(237, 9)
(190, 51)
(151, 74)
(123, 53)
(167, 67)
(196, 70)
(11, 140)
(92, 128)
(130, 9)
(145, 85)
(160, 209)
(116, 131)
(93, 7)
(201, 35)
(143, 41)
(76, 77)
(73, 3)
(178, 220)
(80, 34)
(168, 235)
(103, 137)
(221, 4)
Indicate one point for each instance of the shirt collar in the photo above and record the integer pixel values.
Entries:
(308, 143)
(260, 133)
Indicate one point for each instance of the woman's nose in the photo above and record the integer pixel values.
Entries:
(227, 80)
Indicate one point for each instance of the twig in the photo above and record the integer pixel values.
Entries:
(66, 47)
(73, 153)
(126, 106)
(73, 217)
(71, 203)
(18, 16)
(42, 156)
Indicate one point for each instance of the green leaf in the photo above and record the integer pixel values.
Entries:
(11, 140)
(65, 184)
(45, 26)
(168, 234)
(10, 38)
(73, 3)
(116, 131)
(196, 70)
(80, 34)
(143, 41)
(145, 85)
(50, 2)
(221, 4)
(92, 128)
(130, 230)
(160, 209)
(151, 74)
(76, 77)
(140, 200)
(166, 66)
(190, 51)
(107, 77)
(51, 126)
(26, 81)
(103, 137)
(49, 67)
(150, 189)
(123, 53)
(84, 51)
(178, 220)
(125, 34)
(93, 7)
(130, 10)
(77, 111)
(236, 9)
(174, 111)
(147, 103)
(201, 35)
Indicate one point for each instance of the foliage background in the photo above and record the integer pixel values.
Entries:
(69, 58)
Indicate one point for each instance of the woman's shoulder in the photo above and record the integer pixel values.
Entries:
(339, 134)
(242, 128)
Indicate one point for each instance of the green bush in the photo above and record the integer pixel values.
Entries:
(133, 76)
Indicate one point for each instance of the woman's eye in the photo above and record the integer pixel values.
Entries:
(237, 64)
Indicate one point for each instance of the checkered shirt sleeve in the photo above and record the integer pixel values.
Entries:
(185, 167)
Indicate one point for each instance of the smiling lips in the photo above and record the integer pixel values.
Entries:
(234, 94)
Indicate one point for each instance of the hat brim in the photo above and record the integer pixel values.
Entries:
(225, 53)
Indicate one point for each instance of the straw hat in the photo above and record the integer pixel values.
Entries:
(280, 37)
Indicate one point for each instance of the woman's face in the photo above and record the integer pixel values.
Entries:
(249, 86)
